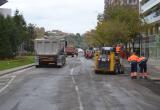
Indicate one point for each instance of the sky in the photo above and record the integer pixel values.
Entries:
(73, 16)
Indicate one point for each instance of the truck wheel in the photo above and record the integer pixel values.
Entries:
(63, 63)
(72, 55)
(58, 66)
(37, 66)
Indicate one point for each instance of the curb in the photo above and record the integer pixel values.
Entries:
(154, 78)
(2, 73)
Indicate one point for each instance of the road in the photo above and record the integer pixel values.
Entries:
(76, 87)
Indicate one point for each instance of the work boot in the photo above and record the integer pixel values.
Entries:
(132, 76)
(145, 75)
(135, 75)
(140, 75)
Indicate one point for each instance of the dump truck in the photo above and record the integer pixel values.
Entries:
(70, 51)
(50, 51)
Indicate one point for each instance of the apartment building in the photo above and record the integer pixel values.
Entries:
(132, 3)
(4, 11)
(151, 11)
(151, 40)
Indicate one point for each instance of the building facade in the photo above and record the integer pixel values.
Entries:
(5, 12)
(132, 3)
(150, 9)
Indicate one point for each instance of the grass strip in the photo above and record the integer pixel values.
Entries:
(19, 61)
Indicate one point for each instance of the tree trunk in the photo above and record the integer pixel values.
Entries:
(126, 51)
(133, 50)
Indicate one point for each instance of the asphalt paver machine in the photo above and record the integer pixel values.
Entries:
(106, 61)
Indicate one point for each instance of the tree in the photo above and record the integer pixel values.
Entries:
(29, 40)
(128, 16)
(118, 24)
(40, 32)
(112, 32)
(12, 35)
(91, 38)
(20, 25)
(5, 46)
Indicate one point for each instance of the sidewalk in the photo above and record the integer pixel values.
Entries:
(15, 69)
(153, 70)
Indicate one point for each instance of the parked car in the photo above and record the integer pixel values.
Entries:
(89, 54)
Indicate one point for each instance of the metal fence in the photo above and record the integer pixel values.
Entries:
(151, 49)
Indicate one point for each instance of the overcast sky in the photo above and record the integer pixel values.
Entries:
(67, 15)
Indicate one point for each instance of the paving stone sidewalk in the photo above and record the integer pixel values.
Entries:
(154, 72)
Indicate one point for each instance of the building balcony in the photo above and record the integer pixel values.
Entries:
(154, 17)
(148, 5)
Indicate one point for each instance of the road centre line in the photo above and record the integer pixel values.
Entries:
(82, 60)
(73, 80)
(77, 90)
(8, 84)
(79, 98)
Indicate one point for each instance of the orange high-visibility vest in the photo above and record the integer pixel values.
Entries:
(118, 49)
(133, 58)
(141, 59)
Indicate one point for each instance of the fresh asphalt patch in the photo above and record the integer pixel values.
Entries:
(154, 86)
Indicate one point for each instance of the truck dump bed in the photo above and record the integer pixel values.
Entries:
(46, 47)
(50, 51)
(49, 46)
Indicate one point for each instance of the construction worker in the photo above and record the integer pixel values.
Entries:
(133, 61)
(143, 67)
(118, 49)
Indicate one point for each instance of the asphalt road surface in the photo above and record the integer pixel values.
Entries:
(76, 87)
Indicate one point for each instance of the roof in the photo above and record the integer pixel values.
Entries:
(52, 38)
(3, 2)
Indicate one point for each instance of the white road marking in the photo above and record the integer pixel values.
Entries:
(79, 98)
(73, 80)
(82, 60)
(77, 90)
(8, 84)
(16, 72)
